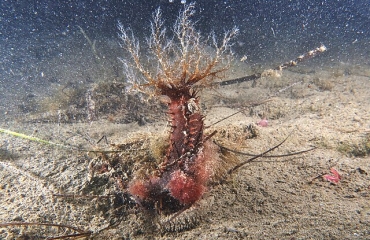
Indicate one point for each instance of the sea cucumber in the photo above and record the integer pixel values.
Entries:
(184, 66)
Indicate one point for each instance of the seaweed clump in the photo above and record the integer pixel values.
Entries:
(175, 69)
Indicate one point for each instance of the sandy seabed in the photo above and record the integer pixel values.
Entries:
(271, 198)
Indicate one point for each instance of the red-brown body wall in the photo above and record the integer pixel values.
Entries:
(186, 133)
(183, 173)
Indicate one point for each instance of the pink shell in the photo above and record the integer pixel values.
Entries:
(333, 179)
(263, 123)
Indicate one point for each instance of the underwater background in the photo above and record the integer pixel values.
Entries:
(35, 36)
(62, 84)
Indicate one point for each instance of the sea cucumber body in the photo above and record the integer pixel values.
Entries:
(187, 133)
(183, 174)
